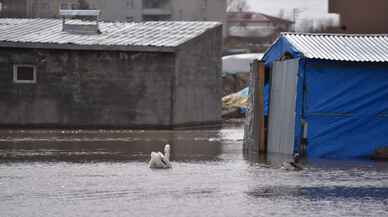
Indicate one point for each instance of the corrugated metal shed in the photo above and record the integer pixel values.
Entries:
(343, 47)
(152, 36)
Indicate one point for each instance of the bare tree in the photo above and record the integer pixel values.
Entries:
(282, 14)
(318, 26)
(237, 5)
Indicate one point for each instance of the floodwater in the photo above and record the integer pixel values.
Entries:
(104, 173)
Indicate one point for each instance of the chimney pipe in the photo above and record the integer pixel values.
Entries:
(80, 21)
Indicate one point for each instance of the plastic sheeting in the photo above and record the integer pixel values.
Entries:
(245, 92)
(240, 100)
(236, 100)
(346, 107)
(238, 63)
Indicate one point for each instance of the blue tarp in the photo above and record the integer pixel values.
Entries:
(346, 107)
(278, 49)
(245, 92)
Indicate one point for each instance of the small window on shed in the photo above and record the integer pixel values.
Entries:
(24, 74)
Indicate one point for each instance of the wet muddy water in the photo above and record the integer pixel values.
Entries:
(105, 173)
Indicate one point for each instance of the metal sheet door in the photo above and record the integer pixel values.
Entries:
(281, 126)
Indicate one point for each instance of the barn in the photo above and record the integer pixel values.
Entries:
(69, 73)
(328, 95)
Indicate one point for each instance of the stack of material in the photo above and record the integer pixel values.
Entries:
(235, 105)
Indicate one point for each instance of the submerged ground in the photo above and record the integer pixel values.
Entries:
(105, 173)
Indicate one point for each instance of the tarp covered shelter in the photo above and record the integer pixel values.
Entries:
(340, 98)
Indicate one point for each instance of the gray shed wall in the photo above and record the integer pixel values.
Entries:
(198, 79)
(87, 89)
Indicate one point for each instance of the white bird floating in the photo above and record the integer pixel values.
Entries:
(160, 161)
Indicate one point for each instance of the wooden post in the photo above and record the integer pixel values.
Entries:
(255, 134)
(261, 117)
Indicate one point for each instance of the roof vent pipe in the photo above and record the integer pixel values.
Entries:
(80, 21)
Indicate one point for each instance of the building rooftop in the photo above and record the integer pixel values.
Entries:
(145, 36)
(254, 17)
(343, 47)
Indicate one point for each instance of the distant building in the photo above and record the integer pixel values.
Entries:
(122, 10)
(10, 8)
(36, 8)
(360, 16)
(147, 10)
(254, 28)
(127, 75)
(250, 24)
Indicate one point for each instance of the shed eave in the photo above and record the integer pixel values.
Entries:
(38, 45)
(341, 47)
(344, 60)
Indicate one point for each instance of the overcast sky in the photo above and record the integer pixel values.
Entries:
(315, 11)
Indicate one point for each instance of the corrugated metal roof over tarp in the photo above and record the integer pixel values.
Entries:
(341, 47)
(47, 33)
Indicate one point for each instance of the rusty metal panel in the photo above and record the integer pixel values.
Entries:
(281, 128)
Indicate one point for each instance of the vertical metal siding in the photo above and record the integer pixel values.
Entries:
(281, 129)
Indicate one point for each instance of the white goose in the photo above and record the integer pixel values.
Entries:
(160, 161)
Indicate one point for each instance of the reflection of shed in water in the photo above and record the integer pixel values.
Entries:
(108, 145)
(328, 96)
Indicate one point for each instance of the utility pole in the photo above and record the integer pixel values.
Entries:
(295, 14)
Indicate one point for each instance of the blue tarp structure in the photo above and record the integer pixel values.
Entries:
(345, 103)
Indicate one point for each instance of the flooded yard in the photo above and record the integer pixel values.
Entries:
(105, 173)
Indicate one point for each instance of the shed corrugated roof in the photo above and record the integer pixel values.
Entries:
(343, 47)
(47, 33)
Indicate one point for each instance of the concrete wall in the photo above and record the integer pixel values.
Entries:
(187, 10)
(12, 8)
(87, 89)
(119, 10)
(360, 16)
(37, 8)
(208, 10)
(198, 80)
